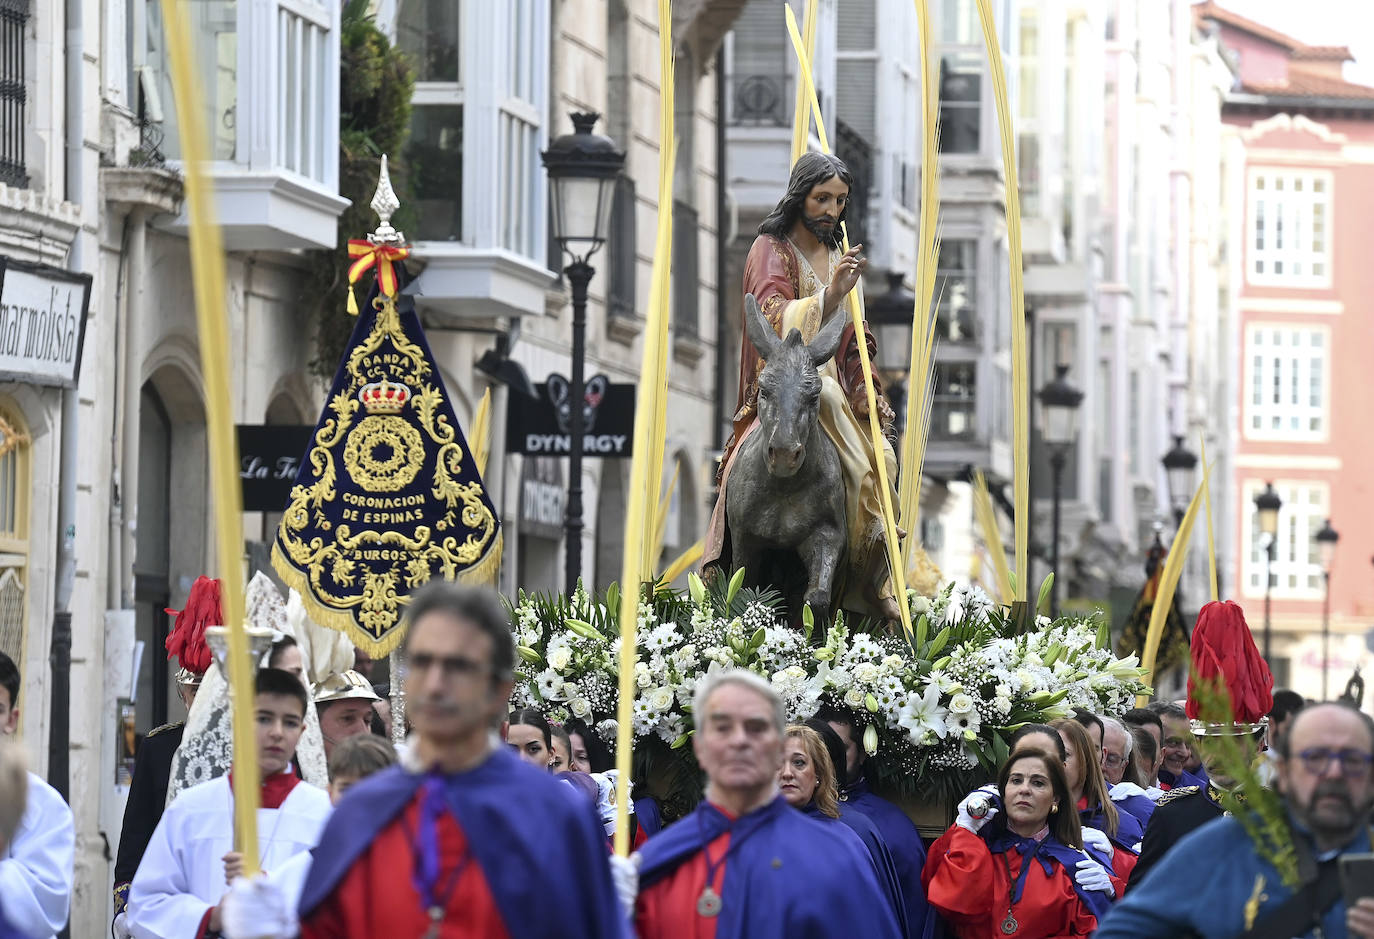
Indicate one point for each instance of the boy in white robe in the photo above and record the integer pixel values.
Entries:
(190, 860)
(36, 866)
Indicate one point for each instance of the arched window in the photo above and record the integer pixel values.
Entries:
(14, 529)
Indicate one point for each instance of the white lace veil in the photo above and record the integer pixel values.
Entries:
(206, 749)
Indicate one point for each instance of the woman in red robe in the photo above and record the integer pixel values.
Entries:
(1022, 870)
(1088, 787)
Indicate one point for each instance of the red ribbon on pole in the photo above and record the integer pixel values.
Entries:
(382, 257)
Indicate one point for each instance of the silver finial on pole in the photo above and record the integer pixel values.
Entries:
(385, 204)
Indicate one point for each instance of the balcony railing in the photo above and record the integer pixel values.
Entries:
(760, 101)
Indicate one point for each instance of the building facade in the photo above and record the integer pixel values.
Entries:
(1298, 164)
(100, 195)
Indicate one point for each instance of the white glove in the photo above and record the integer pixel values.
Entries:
(966, 821)
(121, 926)
(1093, 876)
(257, 909)
(1124, 790)
(625, 876)
(1097, 839)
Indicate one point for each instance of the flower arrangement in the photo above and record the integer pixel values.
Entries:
(936, 708)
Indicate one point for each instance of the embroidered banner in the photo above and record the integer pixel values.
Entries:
(388, 496)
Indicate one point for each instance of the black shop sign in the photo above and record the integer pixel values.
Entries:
(539, 426)
(269, 461)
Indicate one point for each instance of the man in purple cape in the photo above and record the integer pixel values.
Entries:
(903, 839)
(464, 839)
(744, 863)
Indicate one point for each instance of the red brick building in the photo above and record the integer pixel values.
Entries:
(1299, 176)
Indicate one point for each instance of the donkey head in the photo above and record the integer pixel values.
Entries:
(789, 385)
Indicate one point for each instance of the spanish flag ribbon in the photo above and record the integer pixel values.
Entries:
(369, 255)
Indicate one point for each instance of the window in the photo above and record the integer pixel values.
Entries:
(1297, 569)
(14, 18)
(290, 84)
(467, 133)
(429, 33)
(761, 66)
(622, 257)
(956, 290)
(686, 273)
(303, 61)
(961, 83)
(1290, 216)
(14, 531)
(1286, 383)
(958, 24)
(953, 408)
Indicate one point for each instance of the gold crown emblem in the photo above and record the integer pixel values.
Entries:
(384, 397)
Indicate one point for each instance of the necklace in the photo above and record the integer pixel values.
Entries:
(425, 860)
(709, 903)
(1018, 884)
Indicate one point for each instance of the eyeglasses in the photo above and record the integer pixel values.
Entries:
(1354, 763)
(1112, 760)
(453, 666)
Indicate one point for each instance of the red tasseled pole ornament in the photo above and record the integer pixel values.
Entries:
(1223, 648)
(187, 639)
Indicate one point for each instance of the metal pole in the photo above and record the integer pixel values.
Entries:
(1268, 587)
(579, 275)
(1057, 465)
(1326, 632)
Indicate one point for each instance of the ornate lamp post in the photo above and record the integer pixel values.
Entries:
(1267, 505)
(1326, 540)
(1179, 464)
(1059, 403)
(891, 316)
(582, 168)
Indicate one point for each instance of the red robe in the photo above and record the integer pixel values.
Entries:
(971, 887)
(378, 891)
(658, 908)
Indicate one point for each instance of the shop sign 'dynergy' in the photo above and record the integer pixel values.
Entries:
(388, 496)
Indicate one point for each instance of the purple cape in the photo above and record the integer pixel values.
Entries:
(876, 846)
(1130, 831)
(787, 877)
(544, 859)
(1139, 806)
(908, 854)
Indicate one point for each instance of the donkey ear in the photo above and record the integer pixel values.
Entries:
(760, 331)
(826, 342)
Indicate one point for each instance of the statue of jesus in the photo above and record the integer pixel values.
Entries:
(800, 276)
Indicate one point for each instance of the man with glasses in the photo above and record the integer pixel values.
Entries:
(462, 839)
(1325, 776)
(1177, 747)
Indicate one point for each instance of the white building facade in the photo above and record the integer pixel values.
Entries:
(494, 85)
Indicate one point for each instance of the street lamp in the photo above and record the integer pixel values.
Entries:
(582, 168)
(891, 315)
(1326, 540)
(1267, 505)
(1179, 464)
(1059, 403)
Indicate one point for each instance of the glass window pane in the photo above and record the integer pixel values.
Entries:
(435, 154)
(427, 30)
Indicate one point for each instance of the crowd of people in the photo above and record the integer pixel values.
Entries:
(488, 822)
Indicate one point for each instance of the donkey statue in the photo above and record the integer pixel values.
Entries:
(785, 500)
